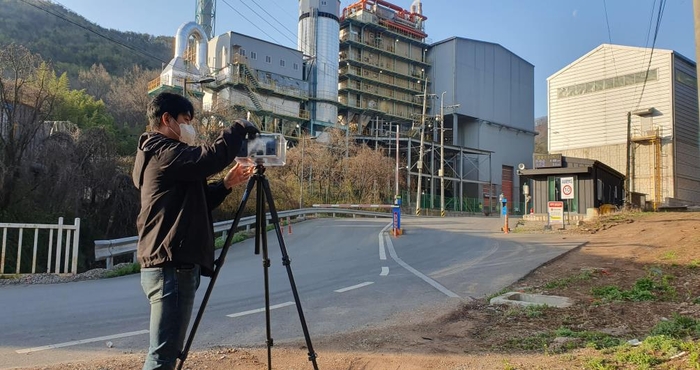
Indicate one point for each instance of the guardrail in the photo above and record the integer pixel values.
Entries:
(108, 249)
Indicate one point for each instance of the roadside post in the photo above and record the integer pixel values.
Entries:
(396, 209)
(504, 213)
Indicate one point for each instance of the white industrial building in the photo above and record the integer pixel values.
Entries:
(638, 117)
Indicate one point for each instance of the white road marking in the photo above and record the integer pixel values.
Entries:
(82, 341)
(343, 290)
(382, 252)
(405, 265)
(258, 310)
(385, 271)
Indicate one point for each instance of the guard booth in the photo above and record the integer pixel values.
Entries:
(580, 183)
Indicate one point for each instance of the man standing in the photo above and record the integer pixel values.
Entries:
(176, 236)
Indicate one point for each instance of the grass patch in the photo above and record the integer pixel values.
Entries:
(237, 238)
(591, 339)
(494, 295)
(126, 269)
(598, 363)
(565, 282)
(644, 289)
(9, 277)
(532, 343)
(669, 256)
(678, 327)
(529, 311)
(694, 264)
(653, 351)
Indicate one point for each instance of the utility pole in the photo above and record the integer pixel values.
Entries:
(421, 151)
(696, 17)
(396, 196)
(442, 151)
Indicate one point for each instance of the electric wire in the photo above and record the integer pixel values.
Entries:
(607, 22)
(134, 49)
(272, 38)
(646, 48)
(659, 17)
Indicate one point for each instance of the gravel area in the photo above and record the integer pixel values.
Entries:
(29, 279)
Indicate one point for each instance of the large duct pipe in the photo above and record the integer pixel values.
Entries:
(183, 34)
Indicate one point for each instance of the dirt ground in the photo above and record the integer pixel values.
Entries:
(622, 249)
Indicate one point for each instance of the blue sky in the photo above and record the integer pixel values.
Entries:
(547, 33)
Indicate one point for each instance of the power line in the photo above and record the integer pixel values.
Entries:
(607, 22)
(136, 50)
(662, 7)
(266, 21)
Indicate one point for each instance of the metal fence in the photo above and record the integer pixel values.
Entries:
(45, 245)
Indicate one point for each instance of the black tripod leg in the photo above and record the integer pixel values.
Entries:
(287, 263)
(218, 264)
(261, 243)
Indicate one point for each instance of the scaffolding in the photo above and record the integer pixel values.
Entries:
(382, 64)
(653, 140)
(467, 171)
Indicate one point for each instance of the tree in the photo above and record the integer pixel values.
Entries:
(128, 98)
(28, 89)
(96, 81)
(541, 139)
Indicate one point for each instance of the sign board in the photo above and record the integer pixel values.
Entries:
(546, 160)
(556, 213)
(567, 188)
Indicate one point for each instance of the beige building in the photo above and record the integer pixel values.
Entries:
(614, 101)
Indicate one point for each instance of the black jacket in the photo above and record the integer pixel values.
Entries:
(175, 221)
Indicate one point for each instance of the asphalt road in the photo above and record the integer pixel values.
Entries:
(348, 272)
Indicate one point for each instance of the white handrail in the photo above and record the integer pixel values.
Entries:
(55, 253)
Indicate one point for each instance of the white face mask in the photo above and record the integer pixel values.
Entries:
(187, 134)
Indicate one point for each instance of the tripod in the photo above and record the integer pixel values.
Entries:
(263, 195)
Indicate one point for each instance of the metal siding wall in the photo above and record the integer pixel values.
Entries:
(443, 78)
(540, 196)
(493, 84)
(585, 193)
(600, 118)
(686, 136)
(275, 52)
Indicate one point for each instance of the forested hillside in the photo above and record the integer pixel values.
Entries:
(71, 48)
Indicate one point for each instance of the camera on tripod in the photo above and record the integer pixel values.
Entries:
(266, 149)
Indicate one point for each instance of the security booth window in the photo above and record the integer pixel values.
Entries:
(554, 187)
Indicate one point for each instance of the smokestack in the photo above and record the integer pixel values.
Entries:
(417, 7)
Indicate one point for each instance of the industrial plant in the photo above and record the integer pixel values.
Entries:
(460, 112)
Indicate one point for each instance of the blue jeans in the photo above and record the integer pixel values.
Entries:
(170, 292)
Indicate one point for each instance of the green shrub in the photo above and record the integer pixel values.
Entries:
(127, 269)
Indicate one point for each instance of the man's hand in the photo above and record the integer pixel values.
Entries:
(237, 175)
(249, 129)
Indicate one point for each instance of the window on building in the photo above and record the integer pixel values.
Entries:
(296, 66)
(253, 55)
(282, 63)
(268, 59)
(242, 52)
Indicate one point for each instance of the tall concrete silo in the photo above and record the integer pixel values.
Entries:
(318, 38)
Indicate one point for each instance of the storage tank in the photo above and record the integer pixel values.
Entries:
(318, 38)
